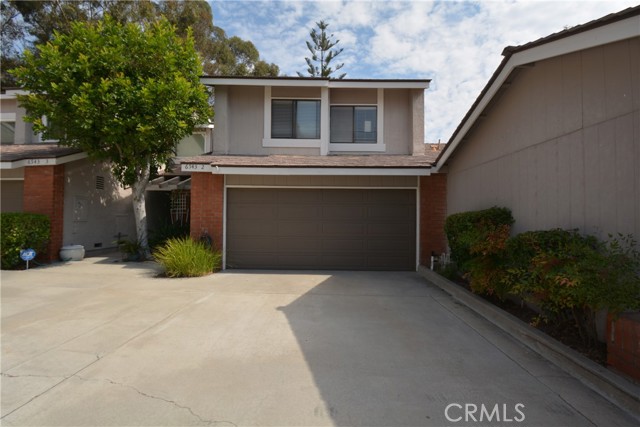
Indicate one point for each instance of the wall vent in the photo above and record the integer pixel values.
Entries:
(99, 182)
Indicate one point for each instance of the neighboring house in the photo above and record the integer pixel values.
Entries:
(555, 134)
(313, 173)
(85, 204)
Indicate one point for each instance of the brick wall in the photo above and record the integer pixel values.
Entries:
(44, 194)
(433, 212)
(623, 344)
(207, 197)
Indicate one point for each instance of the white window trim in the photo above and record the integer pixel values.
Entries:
(45, 121)
(379, 146)
(269, 142)
(7, 117)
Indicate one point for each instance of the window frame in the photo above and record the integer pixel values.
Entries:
(269, 142)
(377, 147)
(14, 132)
(294, 118)
(353, 108)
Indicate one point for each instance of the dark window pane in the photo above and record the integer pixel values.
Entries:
(341, 124)
(7, 132)
(281, 118)
(308, 119)
(354, 125)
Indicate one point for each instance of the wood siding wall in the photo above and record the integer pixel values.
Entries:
(560, 147)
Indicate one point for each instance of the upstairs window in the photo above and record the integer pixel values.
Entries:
(295, 119)
(354, 124)
(7, 132)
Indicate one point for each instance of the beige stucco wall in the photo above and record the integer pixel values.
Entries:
(94, 217)
(397, 121)
(349, 96)
(561, 147)
(239, 119)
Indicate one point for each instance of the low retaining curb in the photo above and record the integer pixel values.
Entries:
(620, 391)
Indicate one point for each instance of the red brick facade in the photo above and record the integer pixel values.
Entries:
(623, 344)
(207, 206)
(44, 194)
(433, 212)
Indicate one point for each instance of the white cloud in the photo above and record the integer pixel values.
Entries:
(457, 44)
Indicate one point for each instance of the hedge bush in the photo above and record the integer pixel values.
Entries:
(477, 232)
(571, 277)
(184, 257)
(21, 230)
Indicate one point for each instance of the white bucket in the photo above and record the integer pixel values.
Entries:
(72, 253)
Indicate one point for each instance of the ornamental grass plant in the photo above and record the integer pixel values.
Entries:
(184, 257)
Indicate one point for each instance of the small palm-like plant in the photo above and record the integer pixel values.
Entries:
(184, 257)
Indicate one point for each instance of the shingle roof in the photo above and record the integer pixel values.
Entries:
(605, 20)
(12, 153)
(332, 161)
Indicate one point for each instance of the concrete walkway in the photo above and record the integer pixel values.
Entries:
(100, 342)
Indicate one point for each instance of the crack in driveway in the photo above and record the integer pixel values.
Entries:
(173, 402)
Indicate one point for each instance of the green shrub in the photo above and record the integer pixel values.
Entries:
(20, 231)
(571, 277)
(131, 250)
(184, 257)
(477, 232)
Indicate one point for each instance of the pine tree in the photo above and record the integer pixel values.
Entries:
(322, 53)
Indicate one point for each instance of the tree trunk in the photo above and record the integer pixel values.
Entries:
(140, 210)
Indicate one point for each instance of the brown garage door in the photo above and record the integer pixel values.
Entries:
(321, 229)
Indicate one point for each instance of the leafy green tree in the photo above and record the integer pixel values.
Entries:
(34, 23)
(123, 93)
(12, 33)
(322, 53)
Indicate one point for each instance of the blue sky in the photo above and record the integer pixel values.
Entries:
(456, 44)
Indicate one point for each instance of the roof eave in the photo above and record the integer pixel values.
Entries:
(315, 82)
(309, 170)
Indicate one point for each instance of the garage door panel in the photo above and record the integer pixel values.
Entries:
(264, 260)
(391, 212)
(344, 212)
(344, 197)
(391, 230)
(299, 212)
(298, 245)
(298, 228)
(249, 195)
(255, 244)
(250, 228)
(386, 245)
(321, 229)
(342, 246)
(253, 211)
(298, 197)
(297, 261)
(344, 229)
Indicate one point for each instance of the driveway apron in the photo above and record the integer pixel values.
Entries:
(101, 342)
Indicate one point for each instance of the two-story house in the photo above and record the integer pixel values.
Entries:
(314, 173)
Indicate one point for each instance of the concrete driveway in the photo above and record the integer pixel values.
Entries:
(100, 342)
